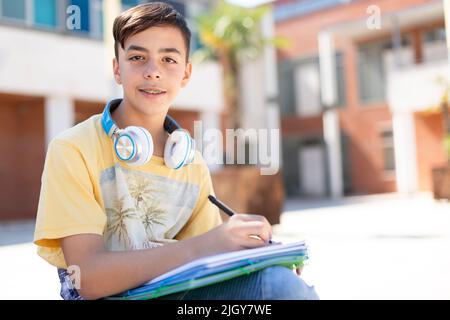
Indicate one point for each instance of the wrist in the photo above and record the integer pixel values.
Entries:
(201, 245)
(193, 247)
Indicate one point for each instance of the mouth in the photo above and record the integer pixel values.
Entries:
(152, 92)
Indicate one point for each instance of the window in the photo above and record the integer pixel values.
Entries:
(51, 14)
(346, 163)
(13, 10)
(387, 139)
(434, 45)
(435, 35)
(299, 85)
(307, 88)
(45, 13)
(40, 13)
(371, 73)
(96, 18)
(340, 80)
(371, 68)
(291, 170)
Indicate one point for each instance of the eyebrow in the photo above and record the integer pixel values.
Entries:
(162, 50)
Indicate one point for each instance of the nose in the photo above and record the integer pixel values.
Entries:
(151, 71)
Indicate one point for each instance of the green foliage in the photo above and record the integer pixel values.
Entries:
(233, 31)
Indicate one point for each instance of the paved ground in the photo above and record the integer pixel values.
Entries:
(376, 247)
(373, 247)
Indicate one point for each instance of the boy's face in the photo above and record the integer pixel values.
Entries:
(152, 69)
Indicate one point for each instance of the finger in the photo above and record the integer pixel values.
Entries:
(253, 242)
(254, 217)
(255, 228)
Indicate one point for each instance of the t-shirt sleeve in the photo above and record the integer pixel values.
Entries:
(205, 216)
(67, 203)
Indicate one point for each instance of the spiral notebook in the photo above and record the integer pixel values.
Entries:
(217, 268)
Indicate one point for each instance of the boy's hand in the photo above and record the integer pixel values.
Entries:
(241, 231)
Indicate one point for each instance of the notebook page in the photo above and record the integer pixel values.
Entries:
(233, 256)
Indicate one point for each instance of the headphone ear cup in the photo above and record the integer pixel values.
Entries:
(191, 156)
(178, 149)
(144, 145)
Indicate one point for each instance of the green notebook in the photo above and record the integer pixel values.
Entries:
(214, 269)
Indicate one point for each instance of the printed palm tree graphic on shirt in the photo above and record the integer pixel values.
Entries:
(143, 193)
(151, 216)
(116, 220)
(141, 189)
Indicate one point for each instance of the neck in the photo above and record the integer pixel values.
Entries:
(125, 116)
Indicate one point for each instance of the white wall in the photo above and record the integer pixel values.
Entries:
(204, 91)
(405, 152)
(406, 58)
(412, 88)
(253, 94)
(422, 78)
(435, 51)
(59, 115)
(49, 64)
(332, 136)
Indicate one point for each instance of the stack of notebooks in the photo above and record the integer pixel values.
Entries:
(214, 269)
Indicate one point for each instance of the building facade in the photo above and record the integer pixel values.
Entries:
(56, 70)
(358, 94)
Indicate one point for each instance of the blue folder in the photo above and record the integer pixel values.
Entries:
(213, 269)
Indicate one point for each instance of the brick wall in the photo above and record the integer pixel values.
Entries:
(360, 122)
(430, 149)
(23, 142)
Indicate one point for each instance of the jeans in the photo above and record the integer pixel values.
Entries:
(272, 283)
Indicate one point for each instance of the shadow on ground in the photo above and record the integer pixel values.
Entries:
(16, 232)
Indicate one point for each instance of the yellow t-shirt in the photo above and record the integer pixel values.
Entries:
(86, 189)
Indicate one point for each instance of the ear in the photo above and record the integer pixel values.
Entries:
(116, 71)
(187, 74)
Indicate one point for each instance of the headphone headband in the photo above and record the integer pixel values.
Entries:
(110, 127)
(108, 124)
(170, 125)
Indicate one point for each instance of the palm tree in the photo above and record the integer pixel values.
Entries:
(143, 193)
(152, 215)
(116, 220)
(141, 189)
(229, 34)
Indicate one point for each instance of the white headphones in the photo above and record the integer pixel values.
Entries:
(134, 145)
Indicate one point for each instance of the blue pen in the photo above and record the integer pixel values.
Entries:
(225, 208)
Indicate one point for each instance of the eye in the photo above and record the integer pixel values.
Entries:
(170, 60)
(136, 58)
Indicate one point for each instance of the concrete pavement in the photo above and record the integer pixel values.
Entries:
(371, 247)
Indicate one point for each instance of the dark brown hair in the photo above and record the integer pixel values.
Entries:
(144, 16)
